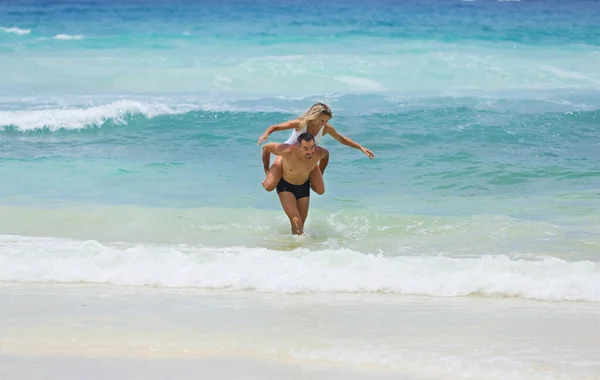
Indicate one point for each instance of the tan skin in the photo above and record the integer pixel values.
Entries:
(316, 176)
(298, 162)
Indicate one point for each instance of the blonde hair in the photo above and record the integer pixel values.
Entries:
(314, 112)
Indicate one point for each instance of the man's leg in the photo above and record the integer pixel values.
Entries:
(302, 206)
(288, 202)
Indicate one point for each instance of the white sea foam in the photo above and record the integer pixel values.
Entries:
(27, 259)
(68, 37)
(27, 113)
(359, 83)
(15, 30)
(83, 117)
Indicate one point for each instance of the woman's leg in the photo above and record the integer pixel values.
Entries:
(323, 163)
(316, 181)
(316, 176)
(273, 174)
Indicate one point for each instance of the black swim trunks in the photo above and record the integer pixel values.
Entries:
(299, 191)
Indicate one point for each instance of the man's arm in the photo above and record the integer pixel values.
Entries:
(346, 141)
(278, 127)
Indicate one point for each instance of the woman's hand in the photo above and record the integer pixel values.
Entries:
(367, 152)
(263, 138)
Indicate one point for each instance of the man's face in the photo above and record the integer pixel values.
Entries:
(307, 148)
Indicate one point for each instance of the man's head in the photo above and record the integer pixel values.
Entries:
(307, 145)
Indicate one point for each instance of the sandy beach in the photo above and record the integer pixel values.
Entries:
(109, 332)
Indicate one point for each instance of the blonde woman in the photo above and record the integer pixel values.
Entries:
(315, 122)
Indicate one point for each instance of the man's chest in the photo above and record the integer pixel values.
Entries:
(300, 164)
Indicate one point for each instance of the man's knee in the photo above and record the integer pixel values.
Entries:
(295, 219)
(267, 146)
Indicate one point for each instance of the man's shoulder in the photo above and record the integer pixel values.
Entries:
(285, 149)
(289, 148)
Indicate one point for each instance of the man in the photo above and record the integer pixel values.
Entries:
(298, 161)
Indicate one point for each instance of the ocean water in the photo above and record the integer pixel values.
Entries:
(129, 156)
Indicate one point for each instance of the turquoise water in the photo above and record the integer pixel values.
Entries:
(128, 134)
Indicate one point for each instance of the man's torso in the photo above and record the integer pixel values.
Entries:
(296, 168)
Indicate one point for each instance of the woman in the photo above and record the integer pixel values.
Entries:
(314, 121)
